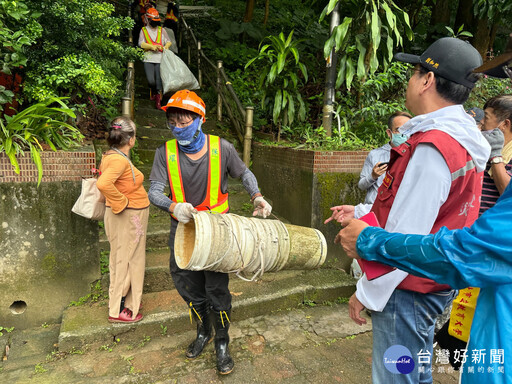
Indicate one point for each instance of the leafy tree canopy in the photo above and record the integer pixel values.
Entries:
(79, 52)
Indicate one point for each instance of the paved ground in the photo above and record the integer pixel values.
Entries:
(317, 344)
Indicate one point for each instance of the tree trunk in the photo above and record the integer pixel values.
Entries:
(465, 16)
(267, 10)
(249, 10)
(478, 27)
(482, 37)
(441, 12)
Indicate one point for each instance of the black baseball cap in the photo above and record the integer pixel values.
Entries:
(450, 58)
(476, 113)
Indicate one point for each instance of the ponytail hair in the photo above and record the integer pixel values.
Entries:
(121, 130)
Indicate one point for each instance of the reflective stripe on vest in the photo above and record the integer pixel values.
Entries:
(170, 16)
(142, 6)
(215, 200)
(148, 38)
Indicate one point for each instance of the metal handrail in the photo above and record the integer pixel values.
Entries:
(128, 100)
(241, 118)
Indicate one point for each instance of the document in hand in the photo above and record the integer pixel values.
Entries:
(373, 269)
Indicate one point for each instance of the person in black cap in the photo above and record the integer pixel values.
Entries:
(434, 179)
(477, 114)
(478, 256)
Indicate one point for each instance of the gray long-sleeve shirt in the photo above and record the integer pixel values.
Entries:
(366, 181)
(195, 174)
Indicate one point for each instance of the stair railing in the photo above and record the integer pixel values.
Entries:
(128, 100)
(240, 118)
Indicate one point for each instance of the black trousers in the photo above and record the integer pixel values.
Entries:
(197, 287)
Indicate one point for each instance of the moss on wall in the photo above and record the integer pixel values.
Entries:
(331, 189)
(49, 255)
(305, 198)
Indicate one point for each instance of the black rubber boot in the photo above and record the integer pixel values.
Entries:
(225, 363)
(204, 329)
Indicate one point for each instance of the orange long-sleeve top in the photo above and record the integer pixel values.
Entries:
(116, 184)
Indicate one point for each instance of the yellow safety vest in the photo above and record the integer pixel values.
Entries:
(142, 6)
(148, 38)
(215, 200)
(171, 16)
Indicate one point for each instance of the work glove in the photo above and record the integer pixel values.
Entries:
(167, 45)
(496, 139)
(184, 212)
(261, 207)
(148, 47)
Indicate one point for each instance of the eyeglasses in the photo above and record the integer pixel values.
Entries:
(179, 124)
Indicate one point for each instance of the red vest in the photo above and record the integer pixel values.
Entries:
(459, 210)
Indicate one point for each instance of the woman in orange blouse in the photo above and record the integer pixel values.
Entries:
(126, 220)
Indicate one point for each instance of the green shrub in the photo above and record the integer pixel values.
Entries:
(38, 124)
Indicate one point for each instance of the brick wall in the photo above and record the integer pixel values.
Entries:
(315, 161)
(57, 166)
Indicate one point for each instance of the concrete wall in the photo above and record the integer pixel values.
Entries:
(49, 256)
(304, 184)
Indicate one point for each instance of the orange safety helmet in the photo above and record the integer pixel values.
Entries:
(153, 14)
(188, 100)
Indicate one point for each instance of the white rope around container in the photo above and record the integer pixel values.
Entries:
(246, 246)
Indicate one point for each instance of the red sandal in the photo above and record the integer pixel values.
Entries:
(125, 316)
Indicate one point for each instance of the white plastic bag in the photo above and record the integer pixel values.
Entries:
(91, 202)
(175, 73)
(174, 46)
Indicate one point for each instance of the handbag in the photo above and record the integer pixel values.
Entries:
(91, 202)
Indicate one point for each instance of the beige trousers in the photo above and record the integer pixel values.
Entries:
(126, 233)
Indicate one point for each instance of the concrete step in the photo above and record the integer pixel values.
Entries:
(148, 143)
(156, 277)
(153, 132)
(277, 291)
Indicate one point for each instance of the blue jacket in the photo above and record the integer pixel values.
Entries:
(479, 256)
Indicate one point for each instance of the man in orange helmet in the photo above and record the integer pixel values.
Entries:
(196, 167)
(153, 39)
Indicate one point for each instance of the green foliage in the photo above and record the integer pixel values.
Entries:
(5, 329)
(109, 347)
(145, 339)
(67, 73)
(18, 29)
(134, 154)
(79, 52)
(360, 115)
(486, 88)
(39, 123)
(94, 296)
(382, 94)
(39, 368)
(232, 29)
(491, 9)
(104, 262)
(280, 78)
(368, 35)
(460, 33)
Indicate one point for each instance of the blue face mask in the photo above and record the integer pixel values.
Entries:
(397, 139)
(190, 139)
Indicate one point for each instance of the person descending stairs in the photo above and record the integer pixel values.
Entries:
(153, 39)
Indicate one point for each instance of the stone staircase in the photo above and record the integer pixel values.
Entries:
(162, 305)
